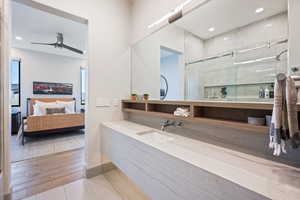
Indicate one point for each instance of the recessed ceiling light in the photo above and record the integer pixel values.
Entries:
(211, 29)
(19, 38)
(259, 10)
(226, 38)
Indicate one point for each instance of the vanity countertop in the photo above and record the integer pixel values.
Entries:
(273, 180)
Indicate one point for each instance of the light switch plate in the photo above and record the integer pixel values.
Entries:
(102, 102)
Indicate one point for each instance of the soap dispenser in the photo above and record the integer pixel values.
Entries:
(267, 93)
(261, 93)
(272, 91)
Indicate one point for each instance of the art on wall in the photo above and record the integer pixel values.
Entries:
(52, 88)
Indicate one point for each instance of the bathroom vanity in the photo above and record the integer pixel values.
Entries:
(222, 69)
(171, 167)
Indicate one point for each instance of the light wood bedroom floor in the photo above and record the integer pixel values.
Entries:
(33, 176)
(46, 145)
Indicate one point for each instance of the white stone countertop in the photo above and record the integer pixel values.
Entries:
(271, 179)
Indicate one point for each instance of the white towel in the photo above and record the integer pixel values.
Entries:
(182, 112)
(276, 141)
(284, 126)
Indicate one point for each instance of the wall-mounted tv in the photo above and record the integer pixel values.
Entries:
(52, 88)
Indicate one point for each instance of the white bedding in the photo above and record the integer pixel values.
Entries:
(39, 108)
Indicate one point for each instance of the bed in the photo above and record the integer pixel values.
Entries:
(50, 123)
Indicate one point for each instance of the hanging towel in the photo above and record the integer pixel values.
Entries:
(278, 124)
(292, 113)
(284, 127)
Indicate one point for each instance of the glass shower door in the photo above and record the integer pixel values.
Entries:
(247, 74)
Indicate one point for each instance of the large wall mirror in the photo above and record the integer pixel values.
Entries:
(225, 50)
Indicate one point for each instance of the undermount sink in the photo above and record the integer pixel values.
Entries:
(155, 136)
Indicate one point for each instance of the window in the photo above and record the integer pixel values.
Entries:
(83, 85)
(15, 83)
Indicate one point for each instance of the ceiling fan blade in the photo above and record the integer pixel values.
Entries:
(40, 43)
(71, 49)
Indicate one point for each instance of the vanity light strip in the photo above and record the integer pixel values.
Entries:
(174, 12)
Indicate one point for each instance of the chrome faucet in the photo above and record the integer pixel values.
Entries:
(167, 123)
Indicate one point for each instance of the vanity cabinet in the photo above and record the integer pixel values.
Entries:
(166, 177)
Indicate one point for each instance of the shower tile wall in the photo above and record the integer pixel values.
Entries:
(242, 81)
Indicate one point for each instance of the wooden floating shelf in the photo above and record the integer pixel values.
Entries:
(229, 114)
(222, 104)
(240, 125)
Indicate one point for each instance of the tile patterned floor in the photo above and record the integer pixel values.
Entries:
(84, 189)
(46, 145)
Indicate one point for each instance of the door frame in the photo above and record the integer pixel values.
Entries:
(4, 90)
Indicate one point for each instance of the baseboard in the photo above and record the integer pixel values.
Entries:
(101, 169)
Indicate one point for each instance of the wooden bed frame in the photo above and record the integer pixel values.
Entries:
(46, 124)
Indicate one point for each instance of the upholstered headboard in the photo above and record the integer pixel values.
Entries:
(31, 102)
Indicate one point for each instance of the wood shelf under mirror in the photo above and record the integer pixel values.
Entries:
(134, 105)
(165, 108)
(230, 114)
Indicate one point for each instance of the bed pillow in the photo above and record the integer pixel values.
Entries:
(52, 111)
(41, 107)
(69, 105)
(37, 110)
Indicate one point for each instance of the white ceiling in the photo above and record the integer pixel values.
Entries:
(226, 15)
(34, 25)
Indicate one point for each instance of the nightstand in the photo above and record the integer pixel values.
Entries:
(15, 122)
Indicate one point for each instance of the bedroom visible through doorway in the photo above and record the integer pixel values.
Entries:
(48, 95)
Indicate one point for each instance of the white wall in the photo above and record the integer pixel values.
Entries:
(43, 67)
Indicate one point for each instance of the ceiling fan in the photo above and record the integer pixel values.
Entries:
(60, 44)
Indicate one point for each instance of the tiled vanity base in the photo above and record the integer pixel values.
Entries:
(164, 177)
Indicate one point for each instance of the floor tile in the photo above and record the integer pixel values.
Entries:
(102, 188)
(31, 198)
(91, 189)
(54, 194)
(97, 188)
(79, 191)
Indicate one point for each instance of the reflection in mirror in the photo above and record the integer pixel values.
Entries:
(224, 50)
(171, 69)
(164, 87)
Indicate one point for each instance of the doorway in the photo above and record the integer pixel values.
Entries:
(48, 98)
(171, 70)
